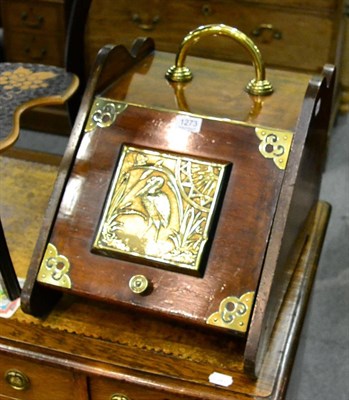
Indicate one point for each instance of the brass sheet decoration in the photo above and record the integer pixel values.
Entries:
(275, 144)
(234, 313)
(54, 268)
(160, 208)
(103, 113)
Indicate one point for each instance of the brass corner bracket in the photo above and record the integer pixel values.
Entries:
(275, 144)
(54, 268)
(234, 313)
(103, 113)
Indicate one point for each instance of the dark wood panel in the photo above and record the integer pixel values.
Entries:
(236, 255)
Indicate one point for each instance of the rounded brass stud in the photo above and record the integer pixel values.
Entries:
(138, 284)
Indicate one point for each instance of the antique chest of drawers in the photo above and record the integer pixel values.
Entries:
(34, 31)
(291, 34)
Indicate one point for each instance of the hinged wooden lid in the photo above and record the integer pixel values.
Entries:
(166, 217)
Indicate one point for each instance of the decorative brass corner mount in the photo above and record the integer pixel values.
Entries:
(275, 144)
(234, 313)
(103, 113)
(54, 268)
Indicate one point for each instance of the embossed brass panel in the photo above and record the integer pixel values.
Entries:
(161, 208)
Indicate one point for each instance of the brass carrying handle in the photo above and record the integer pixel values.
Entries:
(180, 73)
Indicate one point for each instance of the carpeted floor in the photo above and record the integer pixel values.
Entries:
(321, 368)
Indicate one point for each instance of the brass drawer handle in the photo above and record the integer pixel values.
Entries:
(36, 57)
(180, 73)
(36, 22)
(267, 30)
(206, 10)
(17, 379)
(118, 396)
(146, 22)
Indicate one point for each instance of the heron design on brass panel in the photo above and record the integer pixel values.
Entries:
(160, 208)
(156, 203)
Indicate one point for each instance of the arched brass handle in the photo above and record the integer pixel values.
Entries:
(17, 379)
(180, 73)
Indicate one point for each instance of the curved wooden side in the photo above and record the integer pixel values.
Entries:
(111, 62)
(297, 198)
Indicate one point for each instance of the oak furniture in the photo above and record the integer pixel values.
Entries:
(34, 31)
(103, 350)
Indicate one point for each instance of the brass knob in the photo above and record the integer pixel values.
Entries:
(17, 379)
(138, 284)
(118, 396)
(180, 73)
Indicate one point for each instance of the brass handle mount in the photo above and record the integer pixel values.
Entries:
(268, 29)
(17, 379)
(35, 55)
(259, 86)
(145, 22)
(35, 22)
(118, 396)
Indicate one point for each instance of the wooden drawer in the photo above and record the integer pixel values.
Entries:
(298, 41)
(44, 382)
(33, 16)
(104, 389)
(35, 48)
(309, 4)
